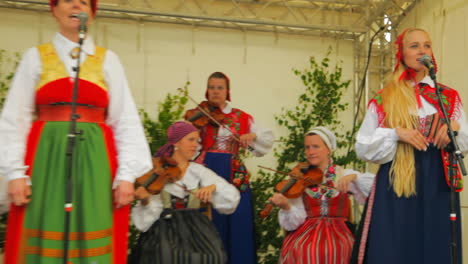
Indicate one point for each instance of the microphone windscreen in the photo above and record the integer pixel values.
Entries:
(426, 60)
(83, 17)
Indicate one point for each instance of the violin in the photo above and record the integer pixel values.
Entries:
(202, 113)
(200, 116)
(302, 176)
(165, 170)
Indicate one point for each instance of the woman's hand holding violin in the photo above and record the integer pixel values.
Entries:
(206, 193)
(281, 201)
(142, 194)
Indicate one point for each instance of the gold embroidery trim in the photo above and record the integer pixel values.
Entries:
(53, 68)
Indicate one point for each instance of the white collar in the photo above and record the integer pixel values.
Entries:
(61, 41)
(189, 180)
(227, 109)
(427, 80)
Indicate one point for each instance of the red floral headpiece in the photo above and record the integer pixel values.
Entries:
(408, 73)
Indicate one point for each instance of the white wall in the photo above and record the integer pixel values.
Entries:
(159, 58)
(447, 23)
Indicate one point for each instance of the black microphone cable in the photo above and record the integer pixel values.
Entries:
(361, 87)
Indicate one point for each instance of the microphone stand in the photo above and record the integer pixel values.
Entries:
(71, 142)
(454, 154)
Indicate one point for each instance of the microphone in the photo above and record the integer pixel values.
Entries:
(426, 60)
(83, 17)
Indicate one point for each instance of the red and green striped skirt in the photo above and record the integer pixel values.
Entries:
(98, 231)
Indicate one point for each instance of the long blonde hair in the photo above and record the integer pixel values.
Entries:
(400, 107)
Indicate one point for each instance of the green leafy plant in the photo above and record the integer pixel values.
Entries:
(169, 111)
(318, 105)
(8, 64)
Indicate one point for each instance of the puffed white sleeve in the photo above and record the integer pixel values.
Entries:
(143, 216)
(462, 138)
(134, 156)
(374, 143)
(263, 141)
(294, 217)
(226, 197)
(361, 186)
(17, 116)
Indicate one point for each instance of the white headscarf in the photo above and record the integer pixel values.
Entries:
(326, 135)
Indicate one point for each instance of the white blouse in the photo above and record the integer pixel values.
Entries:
(264, 136)
(360, 188)
(379, 144)
(225, 199)
(134, 157)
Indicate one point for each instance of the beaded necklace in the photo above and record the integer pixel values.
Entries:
(321, 191)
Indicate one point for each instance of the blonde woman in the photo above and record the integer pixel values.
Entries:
(407, 215)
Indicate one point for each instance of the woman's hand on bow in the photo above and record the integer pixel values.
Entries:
(281, 201)
(206, 193)
(343, 183)
(247, 139)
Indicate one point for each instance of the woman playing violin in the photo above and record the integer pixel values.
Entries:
(316, 220)
(174, 229)
(220, 145)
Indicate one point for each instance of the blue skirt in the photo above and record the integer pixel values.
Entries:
(416, 229)
(236, 230)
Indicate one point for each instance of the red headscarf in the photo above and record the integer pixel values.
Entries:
(408, 73)
(221, 76)
(53, 3)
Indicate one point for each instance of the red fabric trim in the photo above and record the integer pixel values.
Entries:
(61, 90)
(367, 221)
(121, 215)
(63, 113)
(16, 214)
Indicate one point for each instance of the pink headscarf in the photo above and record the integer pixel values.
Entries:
(175, 133)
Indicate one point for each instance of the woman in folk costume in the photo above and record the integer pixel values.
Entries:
(33, 140)
(220, 152)
(316, 221)
(175, 231)
(406, 219)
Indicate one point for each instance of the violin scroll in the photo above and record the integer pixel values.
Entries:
(199, 116)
